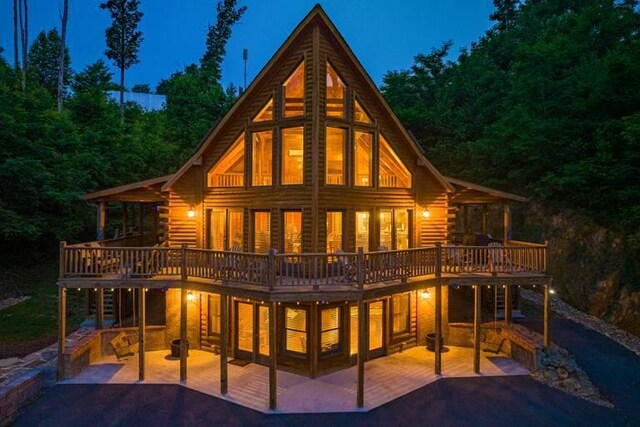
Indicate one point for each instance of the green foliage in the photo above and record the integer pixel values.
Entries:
(95, 77)
(123, 38)
(141, 88)
(43, 60)
(228, 14)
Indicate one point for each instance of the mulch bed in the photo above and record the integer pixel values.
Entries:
(23, 348)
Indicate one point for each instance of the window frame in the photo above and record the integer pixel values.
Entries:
(284, 329)
(394, 237)
(381, 137)
(241, 138)
(274, 143)
(252, 228)
(284, 226)
(395, 335)
(283, 101)
(280, 143)
(371, 228)
(372, 163)
(340, 345)
(210, 331)
(345, 154)
(346, 100)
(226, 233)
(343, 217)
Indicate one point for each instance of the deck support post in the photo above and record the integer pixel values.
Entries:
(101, 220)
(476, 328)
(125, 219)
(184, 349)
(100, 308)
(465, 219)
(507, 304)
(362, 350)
(142, 312)
(506, 223)
(484, 219)
(224, 330)
(547, 316)
(141, 224)
(273, 364)
(438, 309)
(62, 330)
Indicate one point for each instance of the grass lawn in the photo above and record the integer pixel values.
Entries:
(33, 324)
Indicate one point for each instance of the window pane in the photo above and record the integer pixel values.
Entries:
(376, 324)
(330, 330)
(336, 141)
(362, 230)
(292, 156)
(400, 313)
(353, 330)
(214, 314)
(363, 146)
(263, 330)
(245, 326)
(360, 115)
(386, 230)
(236, 228)
(393, 172)
(334, 231)
(266, 114)
(292, 232)
(261, 232)
(262, 158)
(293, 92)
(335, 93)
(217, 229)
(229, 171)
(402, 228)
(296, 329)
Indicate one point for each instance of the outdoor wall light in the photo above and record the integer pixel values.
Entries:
(190, 296)
(552, 291)
(191, 212)
(426, 294)
(426, 213)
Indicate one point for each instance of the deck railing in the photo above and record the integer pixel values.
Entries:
(309, 269)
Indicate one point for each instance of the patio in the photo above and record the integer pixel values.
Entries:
(386, 378)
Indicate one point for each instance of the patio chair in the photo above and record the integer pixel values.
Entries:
(347, 268)
(122, 345)
(493, 346)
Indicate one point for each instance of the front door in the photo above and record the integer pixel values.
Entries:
(375, 313)
(252, 331)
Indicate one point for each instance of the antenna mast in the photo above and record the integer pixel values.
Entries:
(245, 56)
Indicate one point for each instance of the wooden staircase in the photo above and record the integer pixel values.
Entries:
(109, 305)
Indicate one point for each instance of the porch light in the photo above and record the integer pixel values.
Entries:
(426, 294)
(191, 212)
(552, 291)
(426, 213)
(190, 296)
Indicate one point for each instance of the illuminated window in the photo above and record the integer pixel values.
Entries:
(400, 314)
(295, 329)
(292, 156)
(266, 113)
(262, 158)
(335, 149)
(330, 330)
(334, 231)
(362, 230)
(229, 171)
(261, 232)
(363, 159)
(392, 172)
(402, 226)
(263, 330)
(353, 330)
(226, 229)
(360, 115)
(386, 229)
(293, 93)
(214, 314)
(376, 325)
(336, 93)
(292, 232)
(245, 326)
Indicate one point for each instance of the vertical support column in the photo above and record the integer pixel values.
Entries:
(101, 220)
(476, 328)
(438, 308)
(155, 224)
(62, 330)
(273, 364)
(362, 350)
(142, 311)
(506, 223)
(183, 332)
(547, 316)
(100, 308)
(507, 304)
(484, 219)
(224, 338)
(125, 218)
(315, 138)
(141, 224)
(360, 268)
(465, 219)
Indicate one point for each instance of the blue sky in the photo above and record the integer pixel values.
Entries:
(385, 35)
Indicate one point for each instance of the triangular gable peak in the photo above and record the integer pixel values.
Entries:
(304, 43)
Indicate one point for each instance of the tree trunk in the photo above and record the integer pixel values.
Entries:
(63, 35)
(16, 61)
(122, 95)
(24, 37)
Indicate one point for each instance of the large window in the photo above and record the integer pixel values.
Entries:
(402, 220)
(330, 330)
(392, 172)
(293, 93)
(262, 158)
(395, 229)
(292, 156)
(376, 325)
(245, 326)
(363, 159)
(292, 232)
(363, 229)
(214, 314)
(335, 155)
(336, 93)
(400, 312)
(386, 230)
(266, 113)
(353, 330)
(334, 231)
(360, 115)
(261, 232)
(263, 330)
(225, 229)
(229, 171)
(295, 320)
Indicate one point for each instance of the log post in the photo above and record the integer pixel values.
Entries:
(484, 219)
(547, 316)
(183, 333)
(125, 220)
(465, 219)
(224, 330)
(100, 308)
(506, 223)
(62, 330)
(101, 220)
(507, 304)
(271, 269)
(142, 311)
(476, 328)
(141, 224)
(362, 350)
(360, 268)
(273, 388)
(438, 308)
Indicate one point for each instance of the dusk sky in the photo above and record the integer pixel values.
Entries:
(385, 35)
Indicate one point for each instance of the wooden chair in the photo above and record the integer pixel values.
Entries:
(347, 268)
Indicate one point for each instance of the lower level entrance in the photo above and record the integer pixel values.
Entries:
(252, 331)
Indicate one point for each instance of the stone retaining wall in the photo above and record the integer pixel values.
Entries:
(19, 392)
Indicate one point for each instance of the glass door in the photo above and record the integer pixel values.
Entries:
(252, 331)
(375, 311)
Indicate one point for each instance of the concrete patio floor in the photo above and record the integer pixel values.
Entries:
(386, 378)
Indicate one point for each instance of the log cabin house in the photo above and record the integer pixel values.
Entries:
(307, 232)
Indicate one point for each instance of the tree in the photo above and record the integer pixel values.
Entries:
(23, 17)
(43, 60)
(63, 54)
(95, 77)
(16, 61)
(505, 13)
(141, 88)
(123, 38)
(217, 37)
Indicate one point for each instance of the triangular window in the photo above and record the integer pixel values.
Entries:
(229, 171)
(266, 113)
(360, 115)
(293, 93)
(393, 173)
(336, 93)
